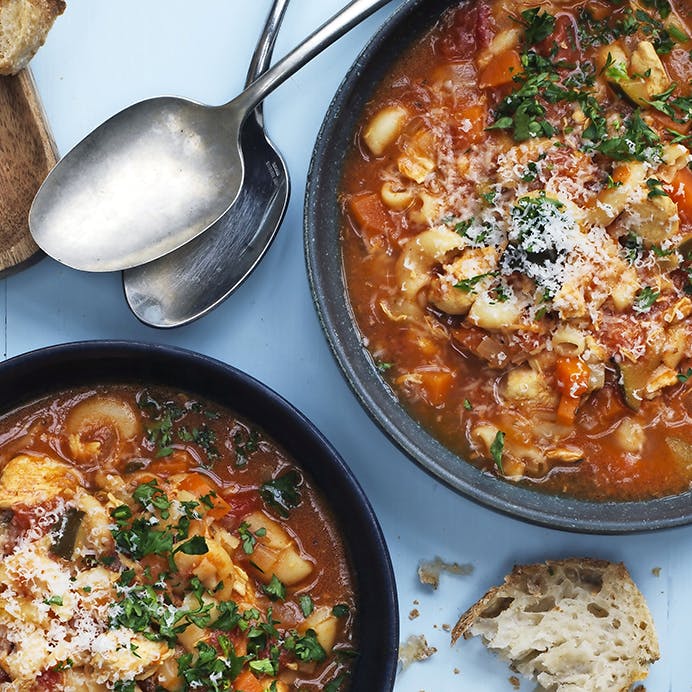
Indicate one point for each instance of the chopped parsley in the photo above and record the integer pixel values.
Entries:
(644, 299)
(468, 285)
(245, 443)
(307, 605)
(53, 601)
(336, 684)
(467, 405)
(306, 648)
(684, 376)
(282, 493)
(211, 669)
(636, 140)
(655, 188)
(340, 610)
(633, 247)
(275, 589)
(496, 449)
(537, 25)
(248, 538)
(462, 226)
(163, 429)
(661, 6)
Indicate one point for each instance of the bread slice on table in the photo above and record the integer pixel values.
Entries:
(575, 625)
(24, 25)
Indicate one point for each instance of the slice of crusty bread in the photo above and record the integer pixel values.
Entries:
(576, 625)
(24, 25)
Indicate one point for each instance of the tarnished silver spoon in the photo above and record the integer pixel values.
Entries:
(192, 280)
(159, 173)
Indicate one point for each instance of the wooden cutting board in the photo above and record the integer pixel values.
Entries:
(27, 153)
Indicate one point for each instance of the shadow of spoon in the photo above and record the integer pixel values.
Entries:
(189, 282)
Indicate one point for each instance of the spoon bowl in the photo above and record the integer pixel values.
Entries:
(159, 173)
(186, 284)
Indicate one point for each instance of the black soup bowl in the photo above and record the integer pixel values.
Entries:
(322, 239)
(34, 375)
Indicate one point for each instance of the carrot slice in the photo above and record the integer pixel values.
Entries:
(474, 120)
(247, 682)
(199, 486)
(681, 193)
(436, 385)
(500, 70)
(572, 376)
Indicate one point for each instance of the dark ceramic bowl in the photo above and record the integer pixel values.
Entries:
(325, 268)
(28, 377)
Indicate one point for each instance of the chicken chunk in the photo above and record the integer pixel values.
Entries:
(33, 480)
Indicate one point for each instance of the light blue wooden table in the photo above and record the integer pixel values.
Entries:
(102, 56)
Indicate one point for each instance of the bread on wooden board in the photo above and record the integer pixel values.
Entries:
(24, 25)
(574, 625)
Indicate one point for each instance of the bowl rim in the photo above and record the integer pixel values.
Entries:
(78, 363)
(322, 248)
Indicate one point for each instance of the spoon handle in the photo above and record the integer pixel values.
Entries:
(334, 28)
(261, 58)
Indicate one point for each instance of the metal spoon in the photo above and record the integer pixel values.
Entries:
(159, 173)
(194, 279)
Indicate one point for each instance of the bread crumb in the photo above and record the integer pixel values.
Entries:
(656, 571)
(514, 681)
(456, 671)
(415, 648)
(429, 570)
(446, 627)
(416, 601)
(413, 614)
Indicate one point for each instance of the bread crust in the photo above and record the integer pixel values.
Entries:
(24, 25)
(539, 581)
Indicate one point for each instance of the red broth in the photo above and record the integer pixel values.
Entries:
(517, 225)
(154, 541)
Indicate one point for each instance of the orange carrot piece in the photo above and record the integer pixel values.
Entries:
(436, 385)
(477, 116)
(369, 212)
(572, 376)
(247, 682)
(199, 486)
(500, 70)
(681, 193)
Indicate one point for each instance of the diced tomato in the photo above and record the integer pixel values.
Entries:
(49, 680)
(500, 70)
(242, 504)
(564, 36)
(470, 29)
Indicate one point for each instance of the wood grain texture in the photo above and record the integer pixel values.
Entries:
(27, 153)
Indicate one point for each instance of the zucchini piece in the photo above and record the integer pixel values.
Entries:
(65, 532)
(633, 380)
(682, 451)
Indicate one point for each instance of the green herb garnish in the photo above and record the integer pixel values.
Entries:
(644, 299)
(282, 493)
(497, 448)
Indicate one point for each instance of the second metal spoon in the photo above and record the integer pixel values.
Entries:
(160, 172)
(189, 282)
